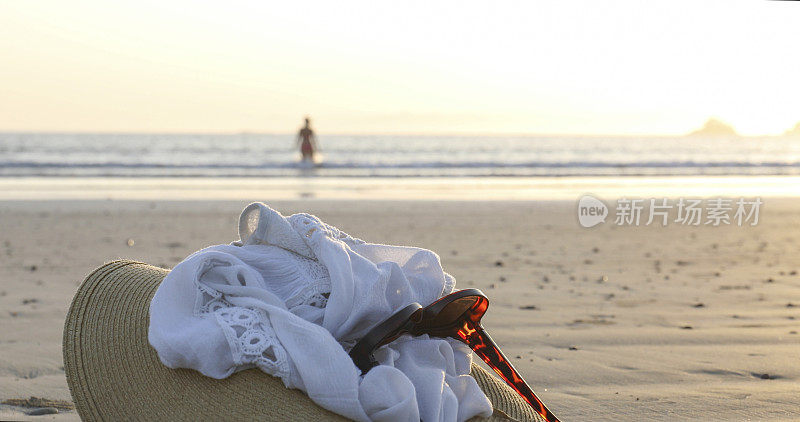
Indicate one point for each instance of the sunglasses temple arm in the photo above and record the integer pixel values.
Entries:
(482, 344)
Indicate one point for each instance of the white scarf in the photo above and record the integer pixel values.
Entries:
(291, 298)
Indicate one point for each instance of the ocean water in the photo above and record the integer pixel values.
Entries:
(254, 155)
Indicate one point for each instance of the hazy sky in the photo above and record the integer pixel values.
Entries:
(594, 67)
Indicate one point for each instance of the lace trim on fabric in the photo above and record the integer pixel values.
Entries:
(314, 294)
(248, 331)
(311, 227)
(317, 285)
(249, 334)
(253, 340)
(251, 337)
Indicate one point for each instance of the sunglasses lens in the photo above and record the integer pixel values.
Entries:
(400, 327)
(384, 333)
(455, 309)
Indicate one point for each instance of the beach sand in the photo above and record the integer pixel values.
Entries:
(607, 323)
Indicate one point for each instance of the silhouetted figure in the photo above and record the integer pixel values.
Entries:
(307, 141)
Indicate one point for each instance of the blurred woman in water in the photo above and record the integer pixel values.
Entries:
(307, 141)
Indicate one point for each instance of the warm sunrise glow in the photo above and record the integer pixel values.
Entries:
(627, 67)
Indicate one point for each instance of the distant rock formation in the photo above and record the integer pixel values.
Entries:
(795, 131)
(715, 127)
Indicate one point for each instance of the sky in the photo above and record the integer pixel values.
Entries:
(444, 67)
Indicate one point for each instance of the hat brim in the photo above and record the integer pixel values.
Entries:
(114, 374)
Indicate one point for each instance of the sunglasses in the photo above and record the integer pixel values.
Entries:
(457, 315)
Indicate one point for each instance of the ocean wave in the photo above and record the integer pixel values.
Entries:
(131, 155)
(407, 165)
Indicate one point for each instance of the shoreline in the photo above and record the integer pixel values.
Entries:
(417, 188)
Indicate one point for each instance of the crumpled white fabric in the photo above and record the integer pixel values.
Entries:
(292, 296)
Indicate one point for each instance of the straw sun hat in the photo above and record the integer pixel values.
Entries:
(114, 374)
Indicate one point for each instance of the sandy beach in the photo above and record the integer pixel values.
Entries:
(607, 323)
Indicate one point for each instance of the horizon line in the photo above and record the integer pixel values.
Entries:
(434, 134)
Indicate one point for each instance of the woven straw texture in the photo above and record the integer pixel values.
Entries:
(114, 374)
